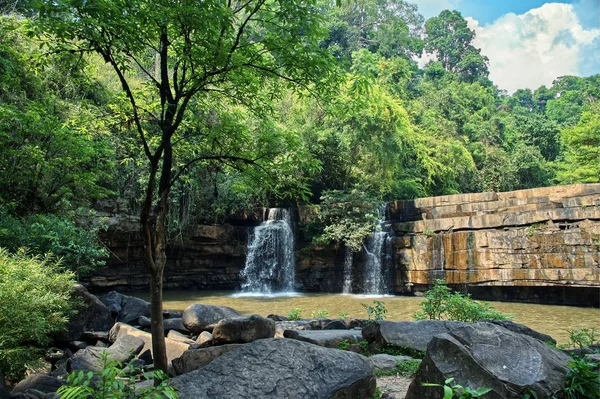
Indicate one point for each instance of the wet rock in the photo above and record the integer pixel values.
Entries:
(386, 362)
(91, 314)
(77, 345)
(172, 314)
(407, 334)
(175, 324)
(123, 350)
(197, 317)
(280, 368)
(243, 329)
(325, 338)
(126, 309)
(38, 382)
(487, 355)
(193, 359)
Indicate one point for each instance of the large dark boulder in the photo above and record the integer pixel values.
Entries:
(123, 350)
(92, 315)
(38, 382)
(485, 355)
(198, 317)
(326, 338)
(243, 329)
(280, 368)
(126, 309)
(407, 334)
(193, 359)
(521, 329)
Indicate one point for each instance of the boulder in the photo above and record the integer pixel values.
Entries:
(197, 317)
(123, 350)
(281, 326)
(204, 338)
(169, 324)
(193, 359)
(38, 382)
(335, 325)
(407, 334)
(92, 315)
(384, 362)
(325, 338)
(521, 329)
(174, 348)
(126, 309)
(243, 329)
(280, 368)
(177, 336)
(486, 355)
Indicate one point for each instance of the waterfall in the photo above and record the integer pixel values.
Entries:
(378, 249)
(348, 260)
(270, 263)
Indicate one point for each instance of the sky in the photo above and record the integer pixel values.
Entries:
(530, 42)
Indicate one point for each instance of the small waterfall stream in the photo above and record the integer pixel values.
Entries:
(348, 260)
(270, 263)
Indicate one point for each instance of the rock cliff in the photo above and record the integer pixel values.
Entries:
(538, 245)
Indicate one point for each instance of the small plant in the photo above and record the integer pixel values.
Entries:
(378, 393)
(364, 348)
(115, 382)
(407, 368)
(319, 314)
(344, 344)
(428, 232)
(581, 338)
(294, 314)
(343, 314)
(458, 391)
(395, 350)
(377, 311)
(582, 380)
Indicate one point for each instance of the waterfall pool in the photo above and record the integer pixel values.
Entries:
(549, 319)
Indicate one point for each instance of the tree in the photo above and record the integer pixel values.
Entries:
(449, 38)
(176, 58)
(581, 155)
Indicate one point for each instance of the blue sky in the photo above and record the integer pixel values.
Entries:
(530, 42)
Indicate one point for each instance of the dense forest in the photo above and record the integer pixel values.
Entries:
(369, 120)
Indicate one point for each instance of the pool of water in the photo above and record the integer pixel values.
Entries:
(549, 319)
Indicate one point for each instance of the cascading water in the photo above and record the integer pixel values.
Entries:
(348, 260)
(270, 263)
(377, 267)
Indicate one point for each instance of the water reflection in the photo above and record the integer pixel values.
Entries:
(549, 319)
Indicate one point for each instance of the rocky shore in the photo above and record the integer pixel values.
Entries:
(214, 352)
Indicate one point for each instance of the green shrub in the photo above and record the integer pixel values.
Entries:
(34, 303)
(294, 314)
(581, 338)
(440, 303)
(115, 382)
(583, 380)
(77, 247)
(377, 311)
(343, 314)
(319, 314)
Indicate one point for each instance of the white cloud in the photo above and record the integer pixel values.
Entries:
(534, 48)
(432, 8)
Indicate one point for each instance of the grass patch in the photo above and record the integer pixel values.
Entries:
(407, 369)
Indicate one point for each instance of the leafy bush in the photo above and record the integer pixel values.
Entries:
(34, 303)
(583, 380)
(377, 311)
(294, 314)
(77, 247)
(581, 338)
(440, 303)
(115, 382)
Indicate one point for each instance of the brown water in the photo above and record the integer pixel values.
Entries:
(549, 319)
